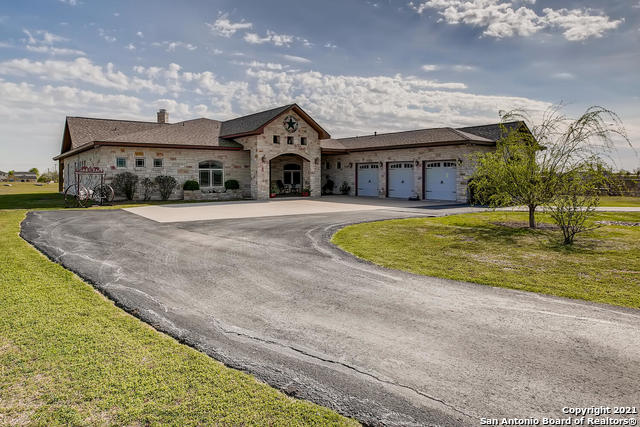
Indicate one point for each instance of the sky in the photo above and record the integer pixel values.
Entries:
(356, 67)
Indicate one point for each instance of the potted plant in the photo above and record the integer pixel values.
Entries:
(306, 191)
(274, 191)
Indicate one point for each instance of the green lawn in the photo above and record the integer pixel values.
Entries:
(68, 356)
(619, 201)
(602, 266)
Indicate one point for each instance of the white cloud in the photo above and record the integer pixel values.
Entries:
(501, 18)
(170, 46)
(116, 14)
(41, 41)
(430, 67)
(463, 67)
(271, 37)
(70, 2)
(140, 34)
(330, 45)
(107, 37)
(130, 46)
(225, 28)
(563, 76)
(298, 59)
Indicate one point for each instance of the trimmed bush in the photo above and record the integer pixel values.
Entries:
(147, 188)
(231, 184)
(191, 185)
(125, 183)
(166, 184)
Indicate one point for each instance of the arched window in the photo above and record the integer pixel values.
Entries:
(291, 174)
(211, 173)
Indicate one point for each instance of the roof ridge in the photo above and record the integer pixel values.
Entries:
(392, 133)
(116, 120)
(491, 124)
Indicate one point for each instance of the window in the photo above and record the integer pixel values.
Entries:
(139, 162)
(211, 173)
(327, 165)
(121, 162)
(290, 140)
(338, 165)
(157, 163)
(303, 140)
(276, 139)
(291, 174)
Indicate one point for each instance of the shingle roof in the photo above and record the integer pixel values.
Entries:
(493, 131)
(203, 132)
(84, 130)
(252, 122)
(25, 174)
(413, 138)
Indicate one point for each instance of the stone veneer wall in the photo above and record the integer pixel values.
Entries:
(182, 164)
(461, 153)
(263, 150)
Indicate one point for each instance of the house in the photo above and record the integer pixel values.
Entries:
(281, 148)
(22, 177)
(3, 176)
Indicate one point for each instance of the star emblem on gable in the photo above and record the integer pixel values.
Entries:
(290, 124)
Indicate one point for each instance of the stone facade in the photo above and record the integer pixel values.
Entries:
(182, 164)
(462, 154)
(263, 151)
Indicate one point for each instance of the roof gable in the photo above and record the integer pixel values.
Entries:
(253, 124)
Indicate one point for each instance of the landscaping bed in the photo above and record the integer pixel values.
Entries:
(488, 248)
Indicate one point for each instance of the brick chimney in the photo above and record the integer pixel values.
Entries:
(163, 116)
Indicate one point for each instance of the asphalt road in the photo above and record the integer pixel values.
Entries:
(272, 297)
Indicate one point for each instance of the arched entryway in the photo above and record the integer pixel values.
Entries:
(288, 175)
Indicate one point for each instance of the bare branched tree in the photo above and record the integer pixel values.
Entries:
(532, 162)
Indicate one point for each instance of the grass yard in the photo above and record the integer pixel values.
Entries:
(487, 248)
(624, 201)
(68, 356)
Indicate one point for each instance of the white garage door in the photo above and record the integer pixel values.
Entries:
(401, 179)
(441, 181)
(368, 179)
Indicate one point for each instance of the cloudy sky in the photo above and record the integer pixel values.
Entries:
(355, 66)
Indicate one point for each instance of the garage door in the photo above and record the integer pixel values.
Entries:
(441, 180)
(401, 179)
(368, 179)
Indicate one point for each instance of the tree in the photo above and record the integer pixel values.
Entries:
(35, 170)
(532, 163)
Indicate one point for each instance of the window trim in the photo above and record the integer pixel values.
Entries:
(125, 162)
(290, 140)
(158, 159)
(210, 172)
(276, 139)
(144, 163)
(303, 140)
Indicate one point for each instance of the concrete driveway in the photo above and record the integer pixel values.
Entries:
(271, 296)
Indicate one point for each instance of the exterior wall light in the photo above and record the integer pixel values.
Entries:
(350, 165)
(417, 162)
(264, 159)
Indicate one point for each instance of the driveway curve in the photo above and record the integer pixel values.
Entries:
(271, 296)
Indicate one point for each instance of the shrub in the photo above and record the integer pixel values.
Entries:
(231, 184)
(344, 188)
(148, 186)
(328, 187)
(191, 185)
(166, 184)
(125, 183)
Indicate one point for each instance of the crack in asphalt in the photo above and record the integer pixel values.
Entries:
(345, 365)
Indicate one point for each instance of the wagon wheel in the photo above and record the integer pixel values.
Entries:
(103, 193)
(73, 200)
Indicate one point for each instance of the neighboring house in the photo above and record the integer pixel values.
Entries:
(22, 177)
(284, 147)
(3, 176)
